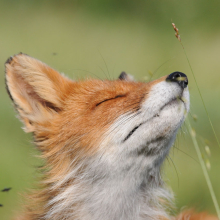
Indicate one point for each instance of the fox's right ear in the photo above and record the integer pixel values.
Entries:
(37, 90)
(126, 77)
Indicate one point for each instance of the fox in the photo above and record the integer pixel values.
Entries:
(103, 142)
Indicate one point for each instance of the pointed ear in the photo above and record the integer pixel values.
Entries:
(37, 90)
(126, 77)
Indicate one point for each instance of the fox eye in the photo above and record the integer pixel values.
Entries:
(118, 96)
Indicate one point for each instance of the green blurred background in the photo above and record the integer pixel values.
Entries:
(81, 38)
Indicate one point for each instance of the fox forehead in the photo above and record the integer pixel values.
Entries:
(100, 96)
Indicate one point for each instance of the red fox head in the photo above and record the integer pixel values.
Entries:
(103, 141)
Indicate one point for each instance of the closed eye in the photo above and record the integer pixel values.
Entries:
(118, 96)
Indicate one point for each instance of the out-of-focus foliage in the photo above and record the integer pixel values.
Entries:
(134, 36)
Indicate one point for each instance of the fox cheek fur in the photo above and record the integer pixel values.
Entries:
(103, 142)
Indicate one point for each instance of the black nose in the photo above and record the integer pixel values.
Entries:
(179, 78)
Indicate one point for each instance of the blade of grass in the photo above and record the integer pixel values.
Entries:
(179, 39)
(204, 169)
(201, 96)
(193, 134)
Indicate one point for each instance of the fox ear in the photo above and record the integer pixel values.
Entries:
(37, 90)
(126, 77)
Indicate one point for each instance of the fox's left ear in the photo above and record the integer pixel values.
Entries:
(37, 90)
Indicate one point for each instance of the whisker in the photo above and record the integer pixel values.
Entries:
(90, 73)
(186, 154)
(175, 169)
(105, 65)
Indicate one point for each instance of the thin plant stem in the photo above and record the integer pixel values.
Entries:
(201, 96)
(204, 169)
(193, 134)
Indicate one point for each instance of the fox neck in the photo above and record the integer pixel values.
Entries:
(128, 188)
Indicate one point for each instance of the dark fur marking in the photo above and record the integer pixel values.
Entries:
(118, 96)
(131, 132)
(51, 106)
(150, 152)
(8, 61)
(7, 89)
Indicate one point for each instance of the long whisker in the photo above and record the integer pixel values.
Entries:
(105, 65)
(186, 154)
(175, 169)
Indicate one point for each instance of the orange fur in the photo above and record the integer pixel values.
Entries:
(191, 215)
(60, 113)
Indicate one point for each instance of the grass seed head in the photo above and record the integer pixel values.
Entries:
(208, 164)
(193, 132)
(176, 32)
(207, 150)
(195, 117)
